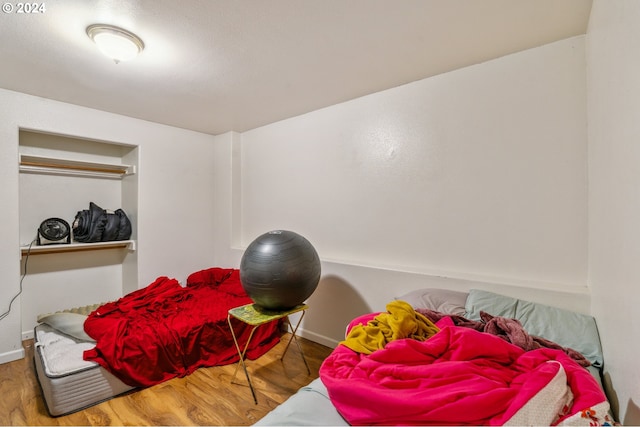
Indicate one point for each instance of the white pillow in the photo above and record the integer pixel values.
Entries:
(71, 324)
(442, 300)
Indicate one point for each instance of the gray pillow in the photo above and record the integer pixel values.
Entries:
(564, 327)
(442, 300)
(71, 324)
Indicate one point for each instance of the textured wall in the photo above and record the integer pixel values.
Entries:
(471, 178)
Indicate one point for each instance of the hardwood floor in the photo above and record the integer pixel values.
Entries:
(205, 397)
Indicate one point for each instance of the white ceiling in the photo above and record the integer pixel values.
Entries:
(221, 65)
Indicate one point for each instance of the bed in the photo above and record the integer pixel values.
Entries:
(162, 331)
(441, 357)
(68, 382)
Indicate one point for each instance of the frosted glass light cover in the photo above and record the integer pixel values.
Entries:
(114, 42)
(116, 47)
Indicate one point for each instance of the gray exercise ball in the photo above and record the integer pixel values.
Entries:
(279, 270)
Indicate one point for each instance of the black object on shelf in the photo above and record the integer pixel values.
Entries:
(54, 231)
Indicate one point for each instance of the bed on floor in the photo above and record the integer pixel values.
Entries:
(163, 331)
(440, 357)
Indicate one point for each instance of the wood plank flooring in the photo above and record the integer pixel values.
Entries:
(205, 397)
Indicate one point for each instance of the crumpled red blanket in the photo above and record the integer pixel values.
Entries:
(461, 377)
(165, 330)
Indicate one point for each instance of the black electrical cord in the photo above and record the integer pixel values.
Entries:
(26, 260)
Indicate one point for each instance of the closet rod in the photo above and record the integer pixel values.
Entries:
(73, 167)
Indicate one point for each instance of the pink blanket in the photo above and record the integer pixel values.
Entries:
(461, 377)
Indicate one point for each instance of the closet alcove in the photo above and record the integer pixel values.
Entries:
(59, 176)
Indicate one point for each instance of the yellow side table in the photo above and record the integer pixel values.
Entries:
(254, 315)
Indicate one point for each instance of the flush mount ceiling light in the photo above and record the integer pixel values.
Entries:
(115, 42)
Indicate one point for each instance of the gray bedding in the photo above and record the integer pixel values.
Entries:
(310, 406)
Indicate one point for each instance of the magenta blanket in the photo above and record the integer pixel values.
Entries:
(461, 377)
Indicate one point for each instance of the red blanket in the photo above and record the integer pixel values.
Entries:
(165, 330)
(461, 377)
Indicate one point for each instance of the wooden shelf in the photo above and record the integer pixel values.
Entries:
(76, 247)
(58, 166)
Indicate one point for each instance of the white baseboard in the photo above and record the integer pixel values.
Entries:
(10, 356)
(320, 339)
(27, 335)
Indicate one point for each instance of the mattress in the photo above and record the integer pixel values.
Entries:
(68, 382)
(311, 405)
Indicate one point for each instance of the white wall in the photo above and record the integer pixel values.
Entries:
(175, 207)
(613, 76)
(478, 175)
